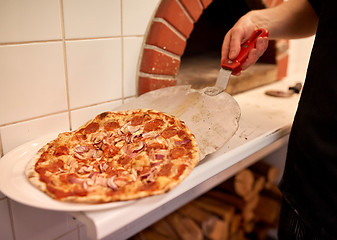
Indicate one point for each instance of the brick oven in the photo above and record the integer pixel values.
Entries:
(185, 33)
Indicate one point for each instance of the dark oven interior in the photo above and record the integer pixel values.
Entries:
(200, 62)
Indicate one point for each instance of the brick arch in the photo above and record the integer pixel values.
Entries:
(166, 41)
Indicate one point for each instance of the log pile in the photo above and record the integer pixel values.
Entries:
(244, 207)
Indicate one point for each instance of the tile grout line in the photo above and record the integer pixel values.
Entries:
(122, 54)
(65, 62)
(65, 111)
(63, 39)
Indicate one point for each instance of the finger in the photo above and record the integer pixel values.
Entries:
(251, 59)
(261, 45)
(237, 38)
(256, 53)
(225, 46)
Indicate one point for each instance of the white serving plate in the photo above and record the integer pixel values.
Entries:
(14, 184)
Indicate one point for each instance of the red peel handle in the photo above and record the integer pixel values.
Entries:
(235, 65)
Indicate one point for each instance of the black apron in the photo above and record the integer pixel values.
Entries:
(309, 182)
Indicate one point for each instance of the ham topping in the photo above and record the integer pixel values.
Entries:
(110, 126)
(177, 152)
(61, 150)
(153, 125)
(169, 132)
(137, 120)
(91, 128)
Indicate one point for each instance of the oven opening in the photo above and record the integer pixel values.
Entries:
(200, 62)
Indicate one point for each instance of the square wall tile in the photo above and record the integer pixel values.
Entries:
(136, 15)
(16, 134)
(5, 226)
(29, 20)
(32, 80)
(299, 55)
(94, 71)
(81, 116)
(132, 47)
(87, 18)
(40, 224)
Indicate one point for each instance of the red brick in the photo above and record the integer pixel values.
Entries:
(206, 3)
(156, 62)
(146, 84)
(163, 37)
(282, 66)
(171, 11)
(193, 7)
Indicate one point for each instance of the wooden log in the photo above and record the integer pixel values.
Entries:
(148, 234)
(239, 235)
(244, 182)
(226, 197)
(185, 227)
(259, 183)
(164, 228)
(272, 190)
(216, 229)
(228, 186)
(248, 215)
(270, 172)
(245, 207)
(235, 224)
(211, 225)
(248, 226)
(197, 214)
(261, 231)
(252, 201)
(241, 184)
(223, 210)
(267, 210)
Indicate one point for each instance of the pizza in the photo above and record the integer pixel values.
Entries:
(116, 156)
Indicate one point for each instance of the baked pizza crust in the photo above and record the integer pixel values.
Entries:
(31, 174)
(107, 190)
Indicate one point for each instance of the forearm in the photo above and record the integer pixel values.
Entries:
(292, 19)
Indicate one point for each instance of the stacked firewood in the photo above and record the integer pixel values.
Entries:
(244, 207)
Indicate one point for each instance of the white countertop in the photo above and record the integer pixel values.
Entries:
(264, 126)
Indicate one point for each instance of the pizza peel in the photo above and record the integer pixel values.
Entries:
(211, 114)
(212, 119)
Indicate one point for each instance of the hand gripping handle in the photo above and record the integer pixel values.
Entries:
(235, 65)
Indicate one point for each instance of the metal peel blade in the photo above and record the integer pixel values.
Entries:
(228, 65)
(221, 83)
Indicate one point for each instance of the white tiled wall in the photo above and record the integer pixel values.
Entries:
(299, 54)
(61, 63)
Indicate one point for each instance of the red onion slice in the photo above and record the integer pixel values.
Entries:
(81, 149)
(183, 142)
